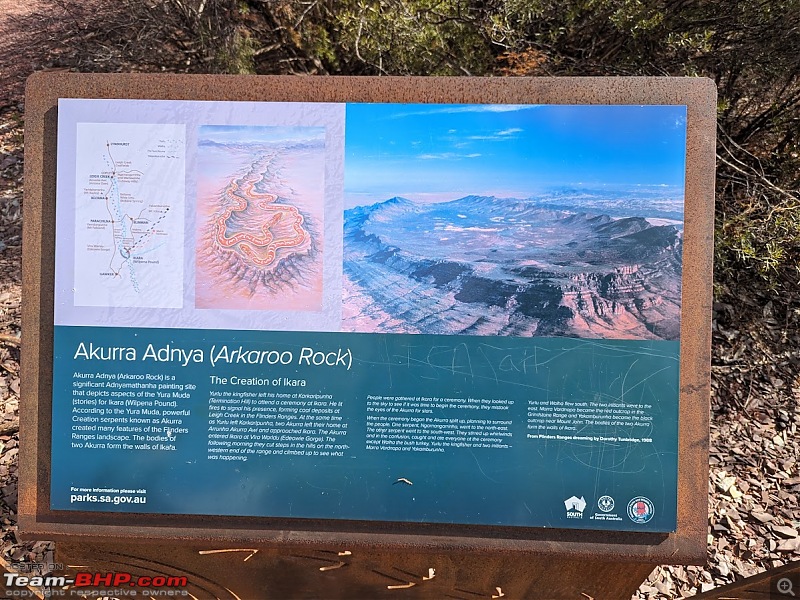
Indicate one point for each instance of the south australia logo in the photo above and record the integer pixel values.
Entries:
(575, 507)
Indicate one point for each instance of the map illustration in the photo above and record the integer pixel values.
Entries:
(260, 215)
(129, 210)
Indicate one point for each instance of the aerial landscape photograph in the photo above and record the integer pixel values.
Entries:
(514, 220)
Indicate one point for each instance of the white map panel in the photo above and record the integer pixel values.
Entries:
(135, 192)
(129, 215)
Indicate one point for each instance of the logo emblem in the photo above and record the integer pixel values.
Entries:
(575, 507)
(640, 510)
(605, 503)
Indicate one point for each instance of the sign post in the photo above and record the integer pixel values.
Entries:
(371, 317)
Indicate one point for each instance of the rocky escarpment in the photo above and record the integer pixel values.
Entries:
(636, 301)
(485, 266)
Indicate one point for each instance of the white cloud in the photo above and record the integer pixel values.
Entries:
(499, 136)
(466, 141)
(467, 108)
(446, 156)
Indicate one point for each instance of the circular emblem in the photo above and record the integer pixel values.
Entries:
(605, 503)
(640, 509)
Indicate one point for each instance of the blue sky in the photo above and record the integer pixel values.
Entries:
(439, 152)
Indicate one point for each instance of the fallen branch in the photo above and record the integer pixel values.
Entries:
(749, 171)
(10, 428)
(10, 339)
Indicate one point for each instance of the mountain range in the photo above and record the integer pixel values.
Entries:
(482, 265)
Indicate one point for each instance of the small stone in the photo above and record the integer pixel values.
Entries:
(725, 483)
(723, 568)
(663, 588)
(784, 531)
(731, 523)
(792, 545)
(761, 517)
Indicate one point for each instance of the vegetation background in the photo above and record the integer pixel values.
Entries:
(750, 48)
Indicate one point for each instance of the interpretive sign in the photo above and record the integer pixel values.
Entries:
(454, 310)
(493, 291)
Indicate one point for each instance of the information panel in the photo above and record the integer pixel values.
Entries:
(433, 313)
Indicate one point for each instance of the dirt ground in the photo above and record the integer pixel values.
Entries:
(754, 481)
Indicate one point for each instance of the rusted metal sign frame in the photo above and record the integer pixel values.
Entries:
(36, 519)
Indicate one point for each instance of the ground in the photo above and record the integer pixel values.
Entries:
(754, 480)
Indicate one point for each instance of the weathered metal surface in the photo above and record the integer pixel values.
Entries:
(515, 546)
(254, 572)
